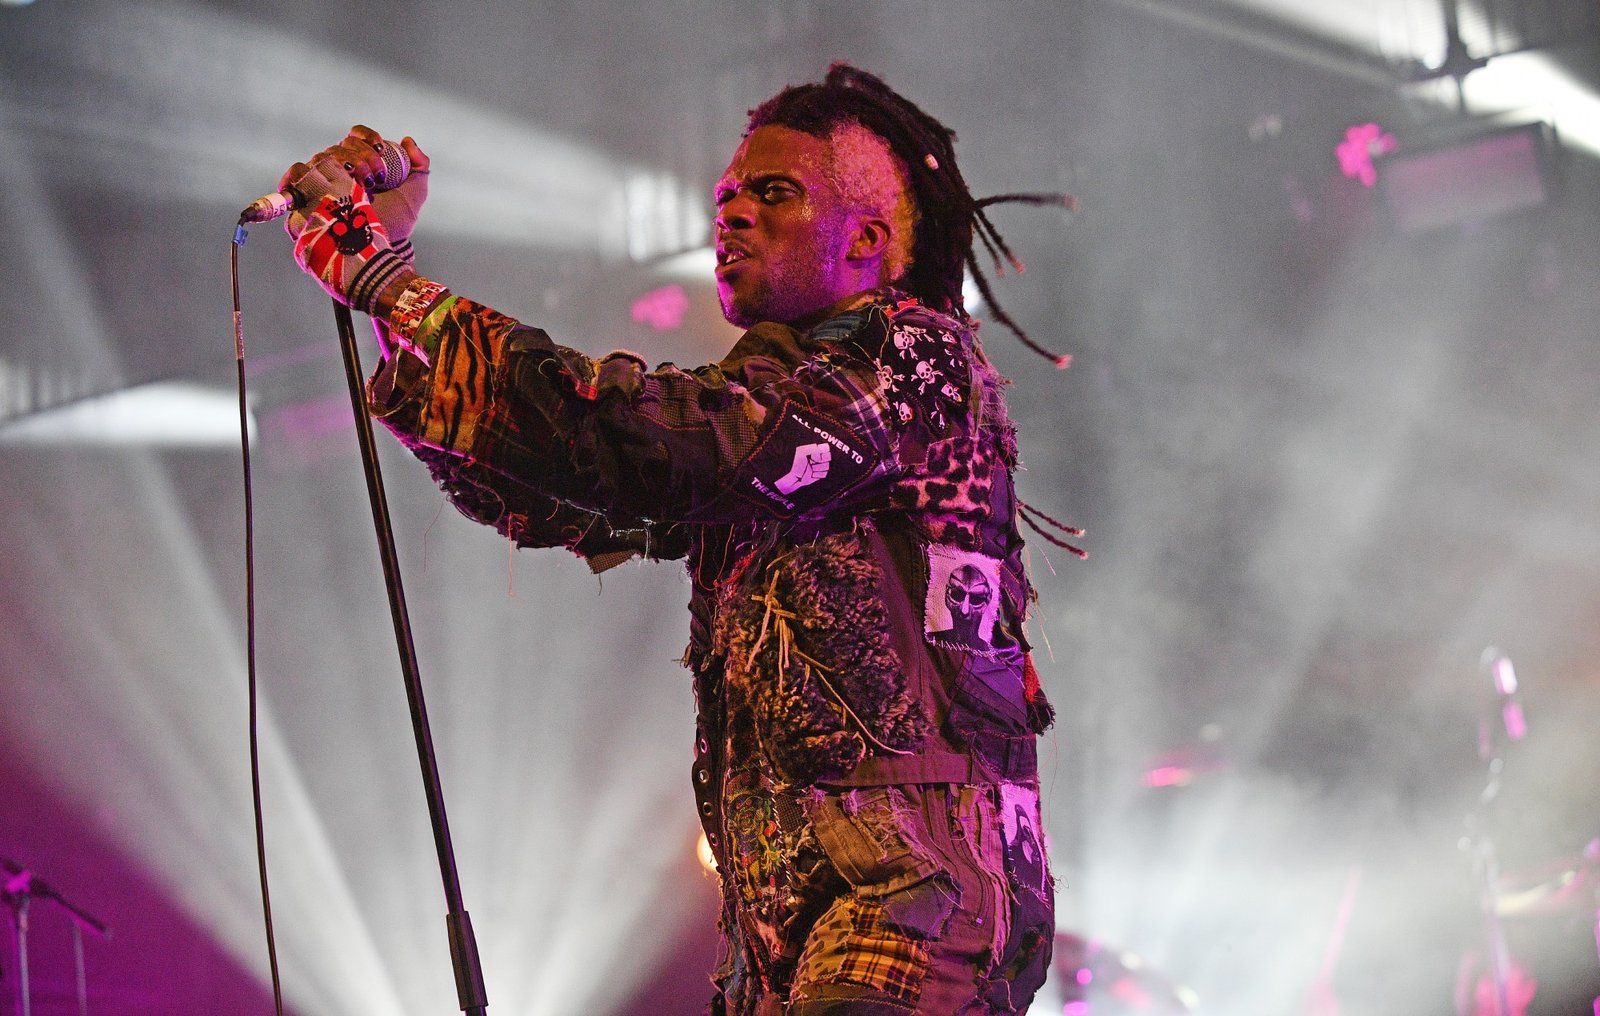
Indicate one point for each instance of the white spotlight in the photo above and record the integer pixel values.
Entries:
(171, 414)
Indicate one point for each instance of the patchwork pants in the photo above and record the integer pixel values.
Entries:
(942, 905)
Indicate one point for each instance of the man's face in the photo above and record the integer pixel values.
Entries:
(782, 230)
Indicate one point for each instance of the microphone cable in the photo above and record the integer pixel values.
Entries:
(250, 622)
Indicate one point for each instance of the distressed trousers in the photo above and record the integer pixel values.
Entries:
(936, 913)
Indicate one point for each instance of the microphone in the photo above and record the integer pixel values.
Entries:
(24, 883)
(396, 167)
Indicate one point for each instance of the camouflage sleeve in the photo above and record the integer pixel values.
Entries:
(521, 513)
(502, 405)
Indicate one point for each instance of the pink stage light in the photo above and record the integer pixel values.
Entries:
(1169, 776)
(662, 309)
(1131, 992)
(1505, 685)
(1355, 152)
(1505, 676)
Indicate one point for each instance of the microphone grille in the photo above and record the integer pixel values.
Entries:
(396, 166)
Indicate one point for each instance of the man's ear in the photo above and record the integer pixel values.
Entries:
(870, 240)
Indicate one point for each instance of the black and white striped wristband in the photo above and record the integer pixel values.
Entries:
(374, 275)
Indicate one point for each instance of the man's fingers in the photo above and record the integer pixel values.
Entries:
(353, 157)
(333, 163)
(292, 175)
(362, 149)
(357, 156)
(419, 161)
(334, 169)
(326, 175)
(371, 143)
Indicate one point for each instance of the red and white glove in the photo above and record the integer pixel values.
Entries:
(343, 244)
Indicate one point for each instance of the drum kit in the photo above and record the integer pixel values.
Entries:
(1565, 887)
(1089, 978)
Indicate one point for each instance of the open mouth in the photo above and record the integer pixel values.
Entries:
(730, 256)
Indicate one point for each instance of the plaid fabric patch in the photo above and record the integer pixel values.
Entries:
(853, 944)
(681, 400)
(855, 400)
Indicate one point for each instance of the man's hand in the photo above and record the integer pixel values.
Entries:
(343, 239)
(360, 157)
(398, 207)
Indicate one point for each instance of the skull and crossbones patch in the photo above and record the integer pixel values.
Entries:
(923, 371)
(349, 226)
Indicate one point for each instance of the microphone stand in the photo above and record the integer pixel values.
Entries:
(1485, 858)
(18, 901)
(463, 947)
(1486, 864)
(18, 891)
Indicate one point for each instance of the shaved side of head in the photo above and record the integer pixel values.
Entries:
(874, 181)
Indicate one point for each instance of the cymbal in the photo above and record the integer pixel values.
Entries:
(1565, 885)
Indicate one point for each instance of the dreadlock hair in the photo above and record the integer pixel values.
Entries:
(947, 216)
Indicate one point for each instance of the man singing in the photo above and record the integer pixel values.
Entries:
(865, 763)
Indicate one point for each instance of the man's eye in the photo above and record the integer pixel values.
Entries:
(774, 192)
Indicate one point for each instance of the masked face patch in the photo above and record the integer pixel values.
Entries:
(963, 599)
(1019, 817)
(805, 461)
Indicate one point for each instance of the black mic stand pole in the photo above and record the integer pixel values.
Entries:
(463, 947)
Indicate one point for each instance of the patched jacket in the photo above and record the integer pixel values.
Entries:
(844, 501)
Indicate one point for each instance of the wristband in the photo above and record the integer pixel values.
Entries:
(426, 342)
(413, 306)
(373, 276)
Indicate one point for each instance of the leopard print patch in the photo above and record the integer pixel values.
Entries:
(951, 491)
